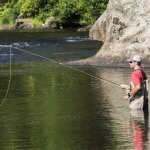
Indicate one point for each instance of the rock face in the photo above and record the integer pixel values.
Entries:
(124, 29)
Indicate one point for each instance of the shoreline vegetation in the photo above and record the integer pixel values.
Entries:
(43, 14)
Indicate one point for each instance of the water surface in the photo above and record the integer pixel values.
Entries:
(53, 107)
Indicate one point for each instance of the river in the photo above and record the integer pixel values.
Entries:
(52, 107)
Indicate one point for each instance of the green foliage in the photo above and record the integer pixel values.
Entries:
(37, 22)
(8, 14)
(43, 15)
(68, 12)
(30, 7)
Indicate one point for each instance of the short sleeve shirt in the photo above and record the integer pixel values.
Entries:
(137, 77)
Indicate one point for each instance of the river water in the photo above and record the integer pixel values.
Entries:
(53, 107)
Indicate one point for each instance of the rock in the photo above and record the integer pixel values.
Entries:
(7, 27)
(51, 23)
(124, 29)
(84, 29)
(26, 26)
(24, 23)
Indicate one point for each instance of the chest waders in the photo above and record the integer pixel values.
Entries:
(140, 99)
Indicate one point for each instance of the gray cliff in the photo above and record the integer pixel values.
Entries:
(124, 29)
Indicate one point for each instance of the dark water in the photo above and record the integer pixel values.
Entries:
(59, 45)
(52, 107)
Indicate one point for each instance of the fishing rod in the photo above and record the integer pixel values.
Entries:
(60, 63)
(63, 64)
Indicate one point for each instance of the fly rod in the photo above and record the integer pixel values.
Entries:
(57, 62)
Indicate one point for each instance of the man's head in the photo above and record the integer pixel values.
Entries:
(134, 61)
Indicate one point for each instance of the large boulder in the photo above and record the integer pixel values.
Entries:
(124, 29)
(24, 23)
(51, 23)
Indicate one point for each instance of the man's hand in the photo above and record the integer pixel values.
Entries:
(126, 97)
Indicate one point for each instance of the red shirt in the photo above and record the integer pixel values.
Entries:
(137, 77)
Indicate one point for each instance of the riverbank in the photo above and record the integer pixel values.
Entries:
(45, 14)
(32, 27)
(67, 45)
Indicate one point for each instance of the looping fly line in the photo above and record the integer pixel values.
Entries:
(9, 81)
(63, 64)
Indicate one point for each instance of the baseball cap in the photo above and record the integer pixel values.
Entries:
(135, 58)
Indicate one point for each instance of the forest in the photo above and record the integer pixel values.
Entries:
(67, 12)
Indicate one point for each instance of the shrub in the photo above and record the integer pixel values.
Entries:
(30, 7)
(37, 22)
(7, 16)
(67, 12)
(9, 13)
(92, 10)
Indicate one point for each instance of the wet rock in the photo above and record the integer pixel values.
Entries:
(84, 29)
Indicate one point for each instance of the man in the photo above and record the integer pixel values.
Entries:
(138, 90)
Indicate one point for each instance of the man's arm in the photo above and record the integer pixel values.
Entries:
(134, 91)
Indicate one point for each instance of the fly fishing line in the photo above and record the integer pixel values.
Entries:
(63, 64)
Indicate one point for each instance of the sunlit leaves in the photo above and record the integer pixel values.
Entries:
(67, 12)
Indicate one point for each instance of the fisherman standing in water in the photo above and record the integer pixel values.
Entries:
(137, 91)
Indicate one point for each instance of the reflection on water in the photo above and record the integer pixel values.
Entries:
(140, 126)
